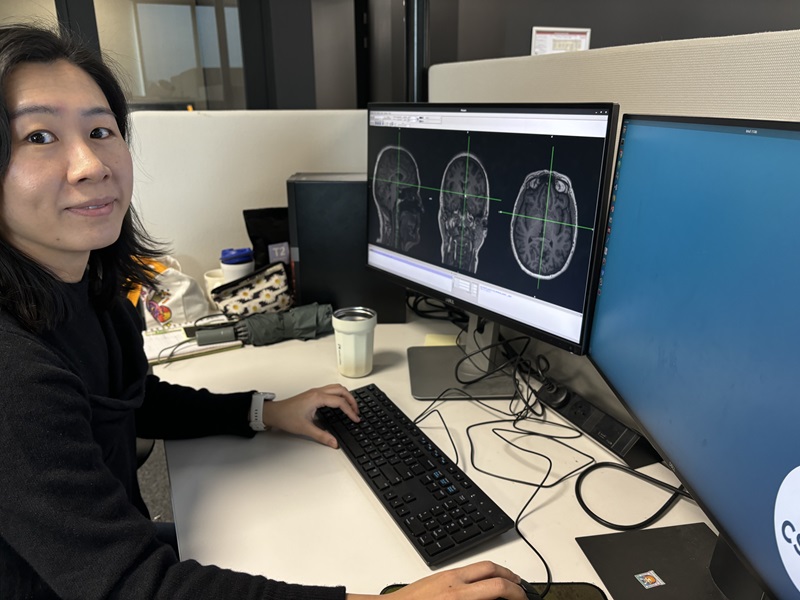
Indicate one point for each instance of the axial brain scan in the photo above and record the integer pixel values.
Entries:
(543, 228)
(463, 211)
(395, 190)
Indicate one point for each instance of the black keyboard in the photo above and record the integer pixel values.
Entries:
(440, 510)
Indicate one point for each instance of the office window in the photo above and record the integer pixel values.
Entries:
(175, 53)
(39, 11)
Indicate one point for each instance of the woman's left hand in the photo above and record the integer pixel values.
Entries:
(296, 414)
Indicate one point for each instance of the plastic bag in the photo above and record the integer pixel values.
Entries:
(176, 298)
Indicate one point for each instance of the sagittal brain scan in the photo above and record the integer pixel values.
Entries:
(395, 191)
(543, 228)
(463, 211)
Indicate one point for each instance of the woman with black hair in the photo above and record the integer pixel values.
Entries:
(76, 392)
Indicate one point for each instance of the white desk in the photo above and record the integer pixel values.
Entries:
(293, 510)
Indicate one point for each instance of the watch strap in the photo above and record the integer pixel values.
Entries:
(257, 410)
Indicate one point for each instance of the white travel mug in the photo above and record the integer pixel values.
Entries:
(354, 331)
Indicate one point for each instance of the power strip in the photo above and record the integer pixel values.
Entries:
(631, 447)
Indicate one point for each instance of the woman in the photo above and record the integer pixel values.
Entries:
(76, 393)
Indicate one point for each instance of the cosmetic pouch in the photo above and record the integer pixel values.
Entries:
(264, 290)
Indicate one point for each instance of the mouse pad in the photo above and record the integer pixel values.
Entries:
(572, 591)
(655, 564)
(558, 591)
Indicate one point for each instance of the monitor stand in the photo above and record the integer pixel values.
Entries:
(433, 368)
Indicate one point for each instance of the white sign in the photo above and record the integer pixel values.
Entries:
(548, 40)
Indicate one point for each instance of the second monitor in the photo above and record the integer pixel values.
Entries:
(498, 209)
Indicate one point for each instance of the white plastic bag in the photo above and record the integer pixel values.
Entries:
(176, 299)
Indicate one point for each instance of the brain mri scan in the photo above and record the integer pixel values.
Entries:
(543, 228)
(463, 211)
(395, 191)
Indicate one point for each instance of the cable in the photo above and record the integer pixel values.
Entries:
(538, 368)
(538, 485)
(430, 410)
(209, 329)
(172, 351)
(430, 308)
(214, 320)
(524, 433)
(495, 368)
(524, 406)
(521, 409)
(677, 493)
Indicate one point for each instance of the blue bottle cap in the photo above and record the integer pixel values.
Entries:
(236, 256)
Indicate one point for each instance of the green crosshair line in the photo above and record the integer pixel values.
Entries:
(546, 210)
(397, 204)
(464, 209)
(397, 183)
(434, 189)
(545, 220)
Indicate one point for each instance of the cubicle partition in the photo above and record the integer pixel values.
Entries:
(747, 76)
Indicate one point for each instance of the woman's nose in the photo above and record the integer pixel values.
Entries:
(85, 164)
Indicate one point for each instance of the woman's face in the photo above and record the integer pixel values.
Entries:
(70, 178)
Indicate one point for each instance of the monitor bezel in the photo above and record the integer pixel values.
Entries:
(694, 120)
(581, 346)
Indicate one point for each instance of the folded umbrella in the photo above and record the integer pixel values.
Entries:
(301, 322)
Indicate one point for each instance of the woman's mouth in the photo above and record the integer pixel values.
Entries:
(94, 209)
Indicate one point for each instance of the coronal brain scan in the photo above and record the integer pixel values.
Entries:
(395, 191)
(463, 211)
(543, 228)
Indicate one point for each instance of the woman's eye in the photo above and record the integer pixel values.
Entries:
(100, 133)
(41, 137)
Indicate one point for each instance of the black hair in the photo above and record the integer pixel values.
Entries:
(28, 290)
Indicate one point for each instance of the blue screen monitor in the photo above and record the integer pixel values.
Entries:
(494, 208)
(697, 323)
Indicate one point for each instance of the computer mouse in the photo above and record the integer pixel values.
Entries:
(530, 592)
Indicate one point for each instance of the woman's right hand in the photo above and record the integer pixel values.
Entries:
(479, 581)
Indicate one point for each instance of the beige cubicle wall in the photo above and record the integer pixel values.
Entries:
(752, 76)
(196, 171)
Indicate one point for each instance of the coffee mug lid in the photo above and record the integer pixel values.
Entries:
(354, 313)
(233, 256)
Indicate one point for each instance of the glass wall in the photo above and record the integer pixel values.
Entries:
(175, 53)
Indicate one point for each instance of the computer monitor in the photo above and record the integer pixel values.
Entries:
(697, 326)
(494, 208)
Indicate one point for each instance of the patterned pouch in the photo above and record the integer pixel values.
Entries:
(264, 290)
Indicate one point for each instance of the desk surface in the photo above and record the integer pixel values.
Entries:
(293, 510)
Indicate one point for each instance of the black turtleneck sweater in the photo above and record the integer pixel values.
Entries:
(72, 520)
